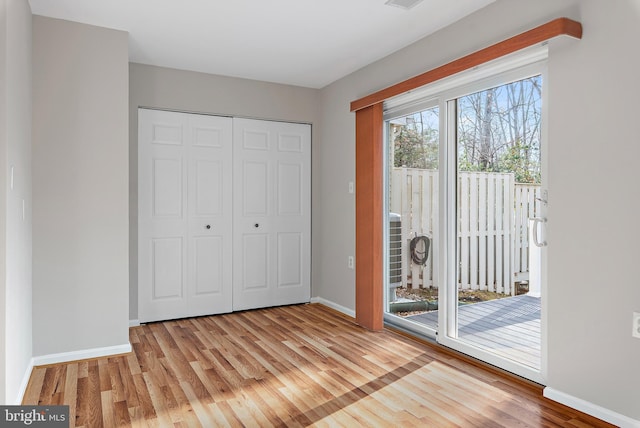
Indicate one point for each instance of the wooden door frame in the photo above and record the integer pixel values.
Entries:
(369, 217)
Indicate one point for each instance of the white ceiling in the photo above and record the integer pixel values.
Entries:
(299, 42)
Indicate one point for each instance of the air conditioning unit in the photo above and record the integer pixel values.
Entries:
(395, 254)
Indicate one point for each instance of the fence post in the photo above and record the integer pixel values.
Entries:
(508, 198)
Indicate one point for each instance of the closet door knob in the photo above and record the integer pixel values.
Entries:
(208, 226)
(256, 225)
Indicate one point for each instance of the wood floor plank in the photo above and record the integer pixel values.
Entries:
(279, 405)
(137, 418)
(51, 384)
(71, 390)
(294, 366)
(83, 368)
(108, 410)
(160, 406)
(103, 373)
(183, 412)
(94, 402)
(144, 398)
(124, 376)
(82, 402)
(34, 388)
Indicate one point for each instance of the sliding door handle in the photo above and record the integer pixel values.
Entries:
(536, 222)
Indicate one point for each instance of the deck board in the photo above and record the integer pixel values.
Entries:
(509, 327)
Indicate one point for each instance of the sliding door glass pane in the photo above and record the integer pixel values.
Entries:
(498, 193)
(413, 204)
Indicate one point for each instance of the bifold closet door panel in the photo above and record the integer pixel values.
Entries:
(210, 215)
(272, 213)
(184, 215)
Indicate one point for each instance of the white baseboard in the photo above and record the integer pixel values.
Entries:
(590, 408)
(81, 355)
(24, 384)
(134, 323)
(349, 312)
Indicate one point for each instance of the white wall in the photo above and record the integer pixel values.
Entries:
(593, 144)
(15, 234)
(197, 92)
(80, 187)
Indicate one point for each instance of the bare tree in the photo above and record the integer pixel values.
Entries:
(499, 129)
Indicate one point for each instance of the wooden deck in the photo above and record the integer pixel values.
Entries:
(508, 327)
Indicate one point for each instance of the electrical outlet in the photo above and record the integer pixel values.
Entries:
(636, 325)
(350, 262)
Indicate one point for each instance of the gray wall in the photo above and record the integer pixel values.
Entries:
(593, 205)
(15, 234)
(593, 146)
(197, 92)
(3, 198)
(80, 187)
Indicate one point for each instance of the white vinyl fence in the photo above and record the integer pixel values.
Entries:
(492, 227)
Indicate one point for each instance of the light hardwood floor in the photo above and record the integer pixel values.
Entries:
(292, 366)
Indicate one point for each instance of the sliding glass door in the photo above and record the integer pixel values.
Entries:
(466, 211)
(413, 158)
(498, 203)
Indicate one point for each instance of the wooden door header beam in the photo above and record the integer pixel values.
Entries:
(555, 28)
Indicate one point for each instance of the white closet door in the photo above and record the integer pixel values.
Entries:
(272, 213)
(184, 212)
(210, 215)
